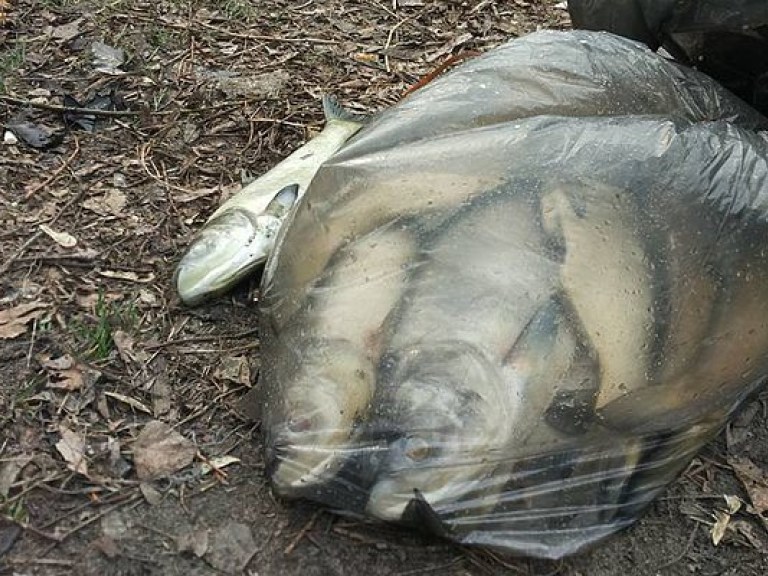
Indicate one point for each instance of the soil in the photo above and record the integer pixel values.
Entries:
(91, 227)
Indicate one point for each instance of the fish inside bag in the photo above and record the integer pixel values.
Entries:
(515, 305)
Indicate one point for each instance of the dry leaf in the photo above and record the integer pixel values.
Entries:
(66, 32)
(106, 546)
(64, 362)
(748, 531)
(64, 239)
(151, 494)
(721, 523)
(124, 343)
(107, 59)
(234, 369)
(72, 449)
(110, 204)
(9, 471)
(195, 541)
(217, 463)
(232, 545)
(159, 450)
(13, 321)
(754, 479)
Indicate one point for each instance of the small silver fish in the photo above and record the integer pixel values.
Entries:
(241, 234)
(326, 378)
(445, 389)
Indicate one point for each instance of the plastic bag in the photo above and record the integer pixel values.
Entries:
(727, 39)
(512, 309)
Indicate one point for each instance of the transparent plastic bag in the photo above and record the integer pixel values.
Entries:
(513, 308)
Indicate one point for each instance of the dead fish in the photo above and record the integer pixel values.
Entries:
(446, 385)
(607, 276)
(241, 234)
(326, 378)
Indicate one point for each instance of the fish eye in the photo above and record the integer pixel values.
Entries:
(299, 425)
(417, 449)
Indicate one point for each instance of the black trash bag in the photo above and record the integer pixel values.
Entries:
(727, 39)
(512, 309)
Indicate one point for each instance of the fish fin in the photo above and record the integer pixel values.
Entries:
(333, 110)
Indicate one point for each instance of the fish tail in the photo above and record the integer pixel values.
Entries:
(333, 110)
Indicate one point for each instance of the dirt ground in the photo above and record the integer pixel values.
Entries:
(96, 351)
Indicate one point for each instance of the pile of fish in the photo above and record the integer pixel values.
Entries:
(512, 307)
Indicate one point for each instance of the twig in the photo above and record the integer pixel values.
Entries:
(9, 262)
(135, 498)
(22, 561)
(389, 42)
(192, 339)
(60, 108)
(53, 177)
(307, 527)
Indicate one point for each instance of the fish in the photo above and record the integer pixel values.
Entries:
(240, 235)
(453, 384)
(325, 381)
(607, 276)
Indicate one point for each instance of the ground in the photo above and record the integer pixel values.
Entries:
(105, 377)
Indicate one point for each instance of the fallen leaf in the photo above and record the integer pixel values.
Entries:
(733, 503)
(217, 463)
(13, 321)
(754, 479)
(72, 449)
(159, 450)
(106, 546)
(107, 59)
(64, 239)
(195, 541)
(64, 373)
(66, 32)
(232, 545)
(124, 343)
(748, 531)
(151, 494)
(723, 518)
(35, 135)
(111, 203)
(718, 529)
(63, 362)
(234, 369)
(9, 471)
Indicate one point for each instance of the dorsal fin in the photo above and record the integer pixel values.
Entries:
(335, 111)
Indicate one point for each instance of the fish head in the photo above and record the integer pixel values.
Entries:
(324, 395)
(447, 405)
(231, 247)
